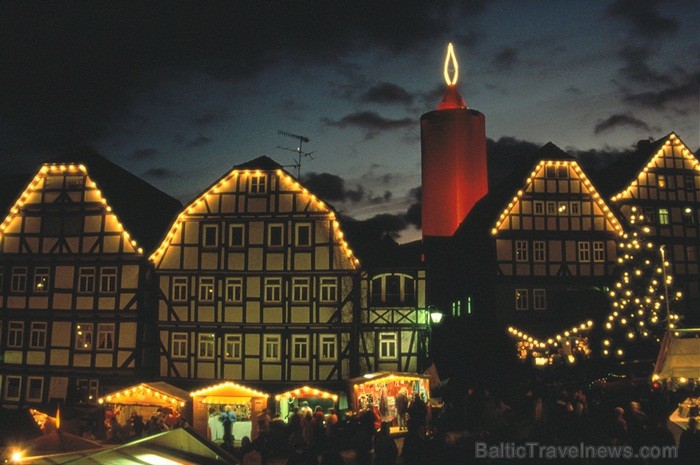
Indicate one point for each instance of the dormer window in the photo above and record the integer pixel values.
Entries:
(258, 184)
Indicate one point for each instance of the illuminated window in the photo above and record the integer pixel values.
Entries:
(41, 280)
(329, 290)
(563, 172)
(663, 216)
(108, 280)
(13, 385)
(689, 181)
(551, 208)
(86, 280)
(206, 289)
(37, 335)
(660, 181)
(15, 334)
(83, 336)
(303, 235)
(387, 346)
(538, 251)
(19, 279)
(521, 254)
(205, 346)
(275, 236)
(539, 207)
(300, 348)
(271, 348)
(35, 388)
(179, 291)
(329, 348)
(258, 184)
(575, 208)
(563, 208)
(234, 290)
(688, 216)
(178, 345)
(233, 344)
(584, 251)
(539, 299)
(211, 235)
(105, 336)
(598, 251)
(273, 289)
(236, 237)
(300, 289)
(521, 299)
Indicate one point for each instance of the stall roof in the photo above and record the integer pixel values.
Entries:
(157, 394)
(679, 356)
(307, 392)
(385, 376)
(227, 393)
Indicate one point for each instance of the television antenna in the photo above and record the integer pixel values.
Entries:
(300, 153)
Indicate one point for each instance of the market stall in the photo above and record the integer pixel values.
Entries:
(381, 390)
(147, 400)
(209, 403)
(304, 396)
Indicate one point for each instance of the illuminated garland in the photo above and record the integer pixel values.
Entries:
(641, 298)
(574, 338)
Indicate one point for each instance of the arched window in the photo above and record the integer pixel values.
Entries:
(395, 290)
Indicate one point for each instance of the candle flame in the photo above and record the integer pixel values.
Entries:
(451, 59)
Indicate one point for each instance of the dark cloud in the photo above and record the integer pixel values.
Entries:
(293, 105)
(72, 71)
(331, 187)
(197, 142)
(636, 68)
(389, 93)
(372, 229)
(506, 59)
(682, 95)
(469, 40)
(160, 173)
(620, 120)
(214, 116)
(573, 90)
(644, 17)
(371, 122)
(143, 154)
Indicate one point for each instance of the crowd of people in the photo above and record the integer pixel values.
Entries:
(136, 427)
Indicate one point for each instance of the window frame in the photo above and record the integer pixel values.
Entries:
(104, 329)
(551, 208)
(29, 389)
(181, 341)
(257, 184)
(178, 284)
(206, 283)
(388, 343)
(36, 331)
(15, 334)
(206, 345)
(575, 208)
(236, 342)
(539, 251)
(300, 342)
(328, 342)
(274, 342)
(205, 235)
(85, 278)
(272, 290)
(563, 208)
(521, 251)
(664, 216)
(536, 204)
(18, 282)
(539, 299)
(45, 272)
(238, 227)
(328, 290)
(598, 252)
(522, 299)
(7, 387)
(297, 228)
(689, 182)
(583, 249)
(83, 333)
(276, 226)
(301, 289)
(108, 280)
(233, 290)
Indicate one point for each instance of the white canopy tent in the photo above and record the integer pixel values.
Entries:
(678, 362)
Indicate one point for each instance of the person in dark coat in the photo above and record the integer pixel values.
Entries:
(689, 444)
(385, 450)
(401, 408)
(138, 424)
(417, 413)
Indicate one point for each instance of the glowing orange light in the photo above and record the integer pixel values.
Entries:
(451, 59)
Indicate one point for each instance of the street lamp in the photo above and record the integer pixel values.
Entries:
(435, 315)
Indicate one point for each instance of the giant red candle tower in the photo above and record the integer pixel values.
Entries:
(453, 158)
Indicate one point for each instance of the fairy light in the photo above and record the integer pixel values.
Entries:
(228, 385)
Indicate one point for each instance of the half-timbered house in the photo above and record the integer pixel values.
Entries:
(72, 280)
(662, 180)
(257, 284)
(540, 247)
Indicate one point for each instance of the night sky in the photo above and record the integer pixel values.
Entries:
(179, 92)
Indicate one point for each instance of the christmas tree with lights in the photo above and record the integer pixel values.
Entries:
(642, 298)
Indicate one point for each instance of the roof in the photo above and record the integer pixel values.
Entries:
(144, 210)
(307, 392)
(626, 167)
(160, 394)
(261, 163)
(58, 442)
(180, 445)
(679, 356)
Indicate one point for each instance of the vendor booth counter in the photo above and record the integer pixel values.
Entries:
(146, 400)
(208, 404)
(304, 396)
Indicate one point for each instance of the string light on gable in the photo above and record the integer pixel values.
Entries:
(60, 169)
(582, 177)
